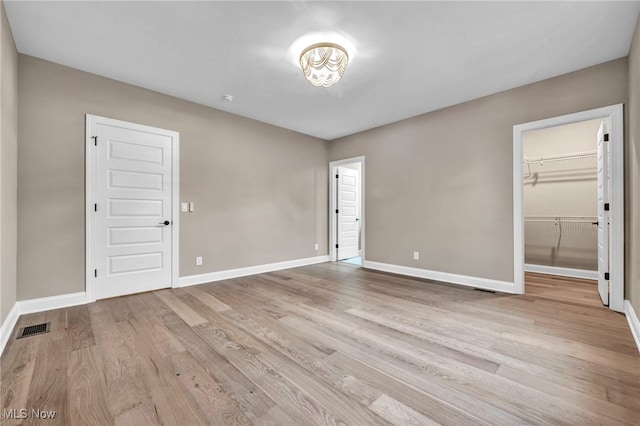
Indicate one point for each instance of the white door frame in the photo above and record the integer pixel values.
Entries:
(333, 191)
(91, 192)
(614, 114)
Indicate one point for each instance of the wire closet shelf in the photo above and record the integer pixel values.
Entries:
(561, 231)
(592, 220)
(559, 163)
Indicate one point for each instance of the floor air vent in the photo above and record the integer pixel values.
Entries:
(32, 330)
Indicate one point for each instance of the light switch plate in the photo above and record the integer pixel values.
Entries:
(184, 207)
(191, 206)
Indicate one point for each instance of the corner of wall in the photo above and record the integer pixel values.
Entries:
(8, 168)
(2, 314)
(632, 172)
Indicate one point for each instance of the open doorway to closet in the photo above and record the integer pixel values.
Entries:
(346, 210)
(561, 200)
(568, 200)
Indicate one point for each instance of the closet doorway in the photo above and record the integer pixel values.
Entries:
(346, 210)
(561, 200)
(568, 200)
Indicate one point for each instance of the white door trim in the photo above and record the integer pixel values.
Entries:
(333, 168)
(614, 114)
(91, 193)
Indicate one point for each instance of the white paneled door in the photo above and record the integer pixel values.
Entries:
(133, 209)
(603, 215)
(347, 213)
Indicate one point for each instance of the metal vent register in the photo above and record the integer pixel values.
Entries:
(32, 330)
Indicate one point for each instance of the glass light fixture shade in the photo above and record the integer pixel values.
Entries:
(323, 64)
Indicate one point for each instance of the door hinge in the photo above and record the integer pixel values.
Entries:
(336, 176)
(336, 245)
(95, 273)
(95, 140)
(606, 137)
(337, 211)
(95, 207)
(606, 207)
(606, 275)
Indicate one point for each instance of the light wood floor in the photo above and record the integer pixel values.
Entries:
(331, 344)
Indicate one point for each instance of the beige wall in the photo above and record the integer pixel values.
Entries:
(560, 189)
(260, 192)
(8, 159)
(441, 183)
(632, 189)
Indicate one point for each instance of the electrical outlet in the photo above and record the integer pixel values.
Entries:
(416, 255)
(316, 246)
(184, 207)
(199, 261)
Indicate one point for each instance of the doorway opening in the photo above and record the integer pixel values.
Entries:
(346, 210)
(568, 200)
(561, 200)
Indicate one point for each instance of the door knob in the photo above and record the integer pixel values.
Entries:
(165, 223)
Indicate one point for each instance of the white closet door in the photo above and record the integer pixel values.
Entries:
(133, 211)
(347, 213)
(603, 216)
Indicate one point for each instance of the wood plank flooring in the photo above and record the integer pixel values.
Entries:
(329, 344)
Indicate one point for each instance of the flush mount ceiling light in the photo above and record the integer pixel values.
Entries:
(324, 63)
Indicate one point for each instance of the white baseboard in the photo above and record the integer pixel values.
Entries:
(6, 330)
(53, 302)
(564, 272)
(67, 300)
(249, 270)
(634, 324)
(31, 306)
(483, 283)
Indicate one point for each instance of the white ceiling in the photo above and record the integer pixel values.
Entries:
(409, 58)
